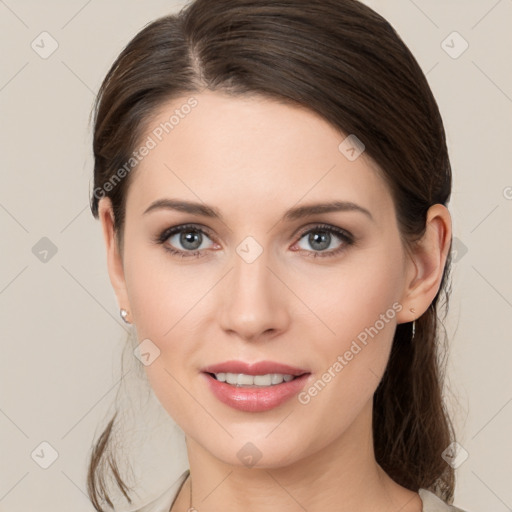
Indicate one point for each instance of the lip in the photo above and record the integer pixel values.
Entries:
(259, 368)
(249, 399)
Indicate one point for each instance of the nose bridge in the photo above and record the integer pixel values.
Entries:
(253, 302)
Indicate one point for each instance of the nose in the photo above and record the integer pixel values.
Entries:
(254, 301)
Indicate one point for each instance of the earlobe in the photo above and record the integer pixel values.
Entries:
(428, 259)
(114, 259)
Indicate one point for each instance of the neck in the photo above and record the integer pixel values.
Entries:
(342, 476)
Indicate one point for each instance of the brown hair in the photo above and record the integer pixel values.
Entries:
(344, 61)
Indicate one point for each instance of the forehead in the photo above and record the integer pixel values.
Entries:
(247, 154)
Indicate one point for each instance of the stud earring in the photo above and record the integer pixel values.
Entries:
(124, 315)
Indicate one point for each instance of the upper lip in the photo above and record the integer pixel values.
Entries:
(259, 368)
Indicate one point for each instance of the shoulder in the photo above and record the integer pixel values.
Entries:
(432, 503)
(164, 500)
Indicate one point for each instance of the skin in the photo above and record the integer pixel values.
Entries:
(253, 159)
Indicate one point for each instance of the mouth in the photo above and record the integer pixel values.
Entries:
(254, 388)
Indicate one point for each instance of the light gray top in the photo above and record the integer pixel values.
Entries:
(431, 502)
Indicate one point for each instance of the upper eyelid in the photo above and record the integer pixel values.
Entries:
(323, 225)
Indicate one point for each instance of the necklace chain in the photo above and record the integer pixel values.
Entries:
(190, 508)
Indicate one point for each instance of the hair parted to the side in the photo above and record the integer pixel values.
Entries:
(345, 62)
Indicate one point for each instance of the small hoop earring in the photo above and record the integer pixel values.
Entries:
(124, 315)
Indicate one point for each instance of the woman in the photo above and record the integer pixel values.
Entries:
(272, 180)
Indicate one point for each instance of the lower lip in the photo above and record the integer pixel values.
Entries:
(255, 399)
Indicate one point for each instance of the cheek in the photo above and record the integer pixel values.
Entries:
(352, 296)
(160, 292)
(165, 303)
(358, 305)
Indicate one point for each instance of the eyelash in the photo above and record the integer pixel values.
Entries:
(345, 237)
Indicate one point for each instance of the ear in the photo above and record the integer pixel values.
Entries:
(426, 264)
(114, 257)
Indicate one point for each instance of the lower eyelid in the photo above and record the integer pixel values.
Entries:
(191, 253)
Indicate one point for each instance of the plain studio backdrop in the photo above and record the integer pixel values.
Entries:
(61, 333)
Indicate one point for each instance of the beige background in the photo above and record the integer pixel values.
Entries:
(61, 333)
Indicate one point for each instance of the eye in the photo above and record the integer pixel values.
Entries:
(321, 237)
(190, 240)
(184, 241)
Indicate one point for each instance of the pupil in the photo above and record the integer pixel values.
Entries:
(323, 240)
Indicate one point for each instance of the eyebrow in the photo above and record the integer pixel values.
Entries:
(296, 213)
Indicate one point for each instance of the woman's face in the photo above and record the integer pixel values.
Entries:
(259, 282)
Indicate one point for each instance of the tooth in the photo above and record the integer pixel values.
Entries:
(276, 378)
(240, 379)
(231, 378)
(263, 380)
(247, 380)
